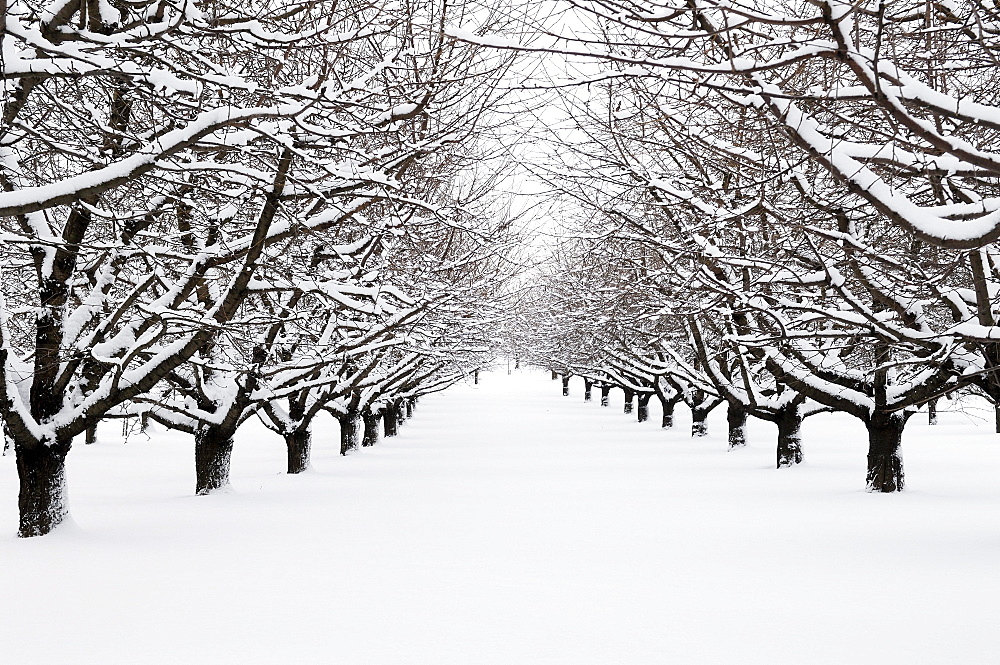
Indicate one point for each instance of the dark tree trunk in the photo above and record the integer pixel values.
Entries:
(605, 394)
(565, 384)
(144, 421)
(885, 463)
(555, 375)
(668, 411)
(213, 449)
(349, 426)
(736, 415)
(932, 413)
(642, 413)
(699, 422)
(41, 502)
(517, 363)
(588, 390)
(996, 413)
(411, 406)
(90, 436)
(390, 426)
(789, 422)
(629, 399)
(475, 378)
(299, 445)
(400, 412)
(370, 419)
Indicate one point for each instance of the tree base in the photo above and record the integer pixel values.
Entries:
(370, 437)
(348, 433)
(213, 451)
(390, 424)
(789, 440)
(736, 416)
(299, 446)
(42, 501)
(885, 462)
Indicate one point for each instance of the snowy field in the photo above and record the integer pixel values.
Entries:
(509, 525)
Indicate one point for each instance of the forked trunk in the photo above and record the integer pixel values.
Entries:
(370, 419)
(605, 395)
(565, 385)
(885, 463)
(629, 399)
(349, 431)
(213, 449)
(390, 426)
(642, 413)
(789, 423)
(736, 415)
(41, 502)
(588, 390)
(299, 445)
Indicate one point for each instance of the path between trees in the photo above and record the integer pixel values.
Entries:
(507, 524)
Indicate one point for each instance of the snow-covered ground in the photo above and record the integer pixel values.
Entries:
(509, 525)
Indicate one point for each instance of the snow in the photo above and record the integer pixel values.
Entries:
(507, 524)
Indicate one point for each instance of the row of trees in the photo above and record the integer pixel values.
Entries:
(781, 207)
(219, 210)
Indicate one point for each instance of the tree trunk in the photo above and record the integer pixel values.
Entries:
(299, 445)
(699, 422)
(629, 398)
(475, 378)
(144, 421)
(565, 384)
(370, 419)
(41, 470)
(390, 426)
(588, 390)
(885, 464)
(605, 394)
(90, 436)
(642, 412)
(349, 426)
(932, 413)
(668, 411)
(555, 375)
(517, 363)
(400, 412)
(213, 448)
(789, 423)
(996, 413)
(736, 415)
(411, 406)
